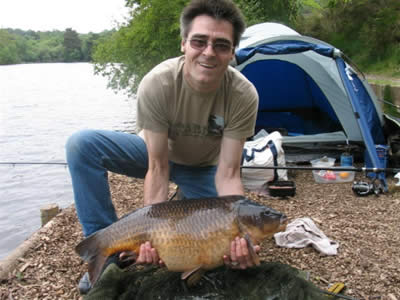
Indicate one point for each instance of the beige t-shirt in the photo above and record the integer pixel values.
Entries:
(195, 121)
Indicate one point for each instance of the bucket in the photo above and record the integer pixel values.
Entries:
(382, 152)
(346, 160)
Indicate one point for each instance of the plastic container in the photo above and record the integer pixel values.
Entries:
(324, 176)
(323, 162)
(330, 176)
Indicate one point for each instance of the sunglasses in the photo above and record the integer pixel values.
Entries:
(219, 47)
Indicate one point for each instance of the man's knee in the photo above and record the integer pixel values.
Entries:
(79, 142)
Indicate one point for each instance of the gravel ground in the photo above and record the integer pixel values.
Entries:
(366, 228)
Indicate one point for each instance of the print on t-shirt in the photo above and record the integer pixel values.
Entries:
(215, 125)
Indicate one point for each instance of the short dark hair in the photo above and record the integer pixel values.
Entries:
(217, 9)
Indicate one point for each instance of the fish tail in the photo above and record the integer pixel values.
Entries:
(90, 250)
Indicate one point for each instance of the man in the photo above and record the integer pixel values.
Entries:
(194, 115)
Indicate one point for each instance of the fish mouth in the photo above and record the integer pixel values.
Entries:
(284, 219)
(283, 223)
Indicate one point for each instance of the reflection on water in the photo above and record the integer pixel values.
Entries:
(41, 105)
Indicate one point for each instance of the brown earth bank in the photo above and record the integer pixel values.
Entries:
(390, 80)
(379, 83)
(366, 228)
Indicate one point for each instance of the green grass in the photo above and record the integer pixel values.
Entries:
(391, 82)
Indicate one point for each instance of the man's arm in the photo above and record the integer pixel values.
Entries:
(157, 176)
(155, 184)
(227, 178)
(228, 182)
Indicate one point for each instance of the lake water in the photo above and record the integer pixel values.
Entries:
(41, 105)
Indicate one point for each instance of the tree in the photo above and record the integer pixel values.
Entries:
(153, 35)
(72, 46)
(8, 48)
(88, 45)
(18, 46)
(367, 30)
(258, 11)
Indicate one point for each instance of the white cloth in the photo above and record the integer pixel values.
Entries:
(398, 178)
(303, 232)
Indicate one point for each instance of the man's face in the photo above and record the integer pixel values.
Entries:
(208, 50)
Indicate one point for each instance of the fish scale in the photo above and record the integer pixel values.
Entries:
(189, 235)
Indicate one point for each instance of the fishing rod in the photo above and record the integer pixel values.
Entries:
(33, 163)
(344, 169)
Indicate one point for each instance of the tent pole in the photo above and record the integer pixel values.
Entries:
(361, 120)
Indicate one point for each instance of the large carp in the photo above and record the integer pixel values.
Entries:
(189, 235)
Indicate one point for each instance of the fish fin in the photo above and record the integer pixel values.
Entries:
(90, 251)
(254, 257)
(89, 247)
(96, 267)
(250, 245)
(193, 276)
(186, 274)
(128, 256)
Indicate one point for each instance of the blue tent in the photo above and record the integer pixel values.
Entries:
(310, 91)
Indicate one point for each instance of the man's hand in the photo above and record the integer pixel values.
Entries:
(240, 257)
(148, 255)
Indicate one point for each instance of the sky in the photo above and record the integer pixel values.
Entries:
(83, 16)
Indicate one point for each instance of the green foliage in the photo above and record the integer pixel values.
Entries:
(151, 36)
(18, 46)
(72, 46)
(8, 48)
(88, 43)
(258, 11)
(388, 65)
(312, 4)
(366, 30)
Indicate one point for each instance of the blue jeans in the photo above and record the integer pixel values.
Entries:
(91, 153)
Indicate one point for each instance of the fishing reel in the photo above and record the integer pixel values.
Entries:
(361, 188)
